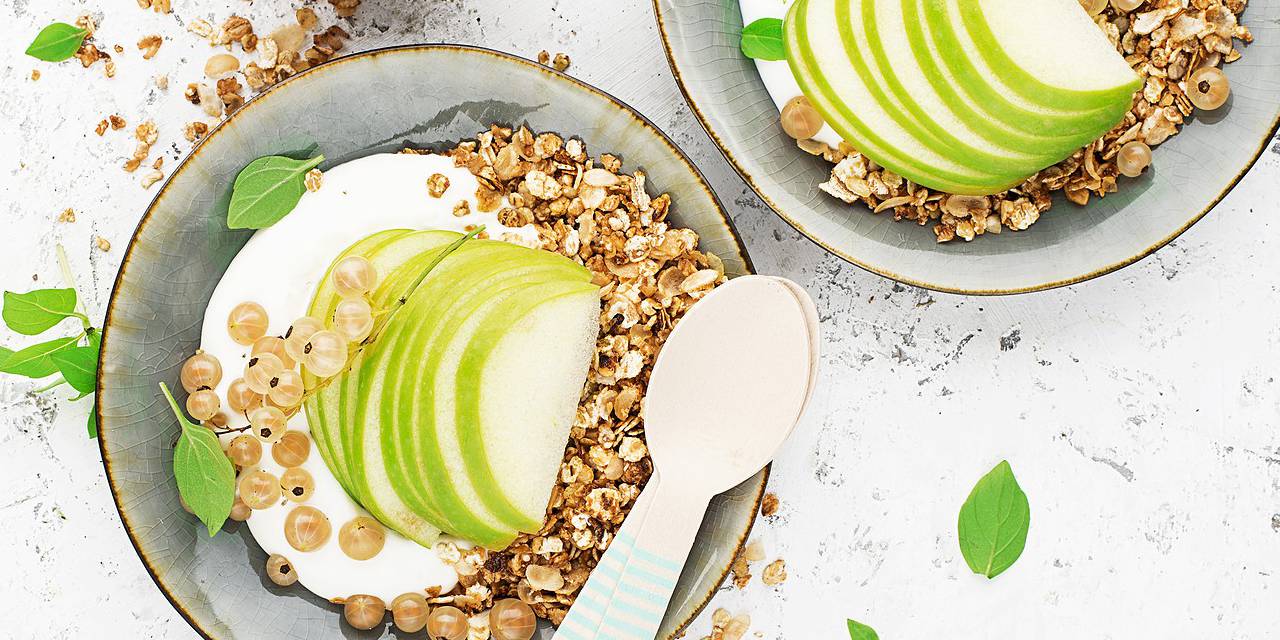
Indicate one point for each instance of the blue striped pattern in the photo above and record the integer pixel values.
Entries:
(626, 596)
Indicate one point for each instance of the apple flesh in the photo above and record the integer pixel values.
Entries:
(954, 94)
(456, 417)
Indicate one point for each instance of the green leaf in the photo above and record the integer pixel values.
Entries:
(267, 190)
(35, 361)
(79, 365)
(993, 523)
(57, 42)
(4, 354)
(763, 40)
(859, 631)
(206, 479)
(35, 312)
(93, 422)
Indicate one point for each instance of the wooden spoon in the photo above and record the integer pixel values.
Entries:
(728, 387)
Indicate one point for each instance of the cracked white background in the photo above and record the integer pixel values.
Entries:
(1139, 410)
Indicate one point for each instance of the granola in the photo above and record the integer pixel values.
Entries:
(649, 274)
(1163, 40)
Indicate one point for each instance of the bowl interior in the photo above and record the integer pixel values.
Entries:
(1190, 173)
(373, 102)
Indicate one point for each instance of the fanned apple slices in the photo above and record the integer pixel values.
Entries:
(963, 96)
(456, 417)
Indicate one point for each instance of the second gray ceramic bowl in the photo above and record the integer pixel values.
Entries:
(367, 103)
(1190, 174)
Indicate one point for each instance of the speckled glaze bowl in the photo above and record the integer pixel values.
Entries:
(367, 103)
(1191, 172)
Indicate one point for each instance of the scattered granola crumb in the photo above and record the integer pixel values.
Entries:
(35, 74)
(109, 68)
(461, 209)
(544, 58)
(86, 22)
(158, 163)
(162, 83)
(149, 45)
(307, 18)
(345, 8)
(102, 243)
(229, 94)
(158, 6)
(151, 178)
(726, 627)
(561, 62)
(117, 48)
(774, 574)
(313, 180)
(68, 215)
(102, 127)
(146, 132)
(193, 131)
(769, 505)
(437, 184)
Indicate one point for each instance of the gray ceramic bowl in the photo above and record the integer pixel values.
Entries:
(367, 103)
(1192, 172)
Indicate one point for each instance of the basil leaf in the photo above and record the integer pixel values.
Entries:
(35, 312)
(93, 422)
(266, 190)
(34, 361)
(4, 354)
(57, 42)
(763, 40)
(994, 522)
(859, 631)
(206, 479)
(79, 366)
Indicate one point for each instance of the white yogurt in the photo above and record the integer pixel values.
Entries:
(776, 74)
(279, 268)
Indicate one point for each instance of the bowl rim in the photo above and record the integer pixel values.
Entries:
(760, 192)
(551, 75)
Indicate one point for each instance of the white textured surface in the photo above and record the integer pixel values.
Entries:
(1139, 410)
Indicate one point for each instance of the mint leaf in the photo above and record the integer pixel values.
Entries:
(4, 354)
(93, 422)
(35, 361)
(266, 190)
(763, 40)
(35, 312)
(57, 42)
(994, 521)
(206, 479)
(79, 366)
(859, 631)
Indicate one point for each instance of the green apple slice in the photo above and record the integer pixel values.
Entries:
(824, 72)
(513, 424)
(414, 450)
(880, 27)
(1000, 90)
(1050, 50)
(985, 108)
(923, 114)
(322, 305)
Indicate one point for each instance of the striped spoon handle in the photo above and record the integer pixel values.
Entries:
(583, 621)
(658, 554)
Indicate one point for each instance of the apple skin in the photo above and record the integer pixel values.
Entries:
(861, 134)
(470, 423)
(971, 80)
(859, 32)
(413, 439)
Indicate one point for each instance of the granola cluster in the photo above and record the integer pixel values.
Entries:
(1163, 40)
(649, 274)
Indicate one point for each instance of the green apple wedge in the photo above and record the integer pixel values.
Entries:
(998, 114)
(508, 473)
(923, 115)
(322, 305)
(393, 384)
(967, 57)
(398, 260)
(915, 82)
(475, 513)
(820, 65)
